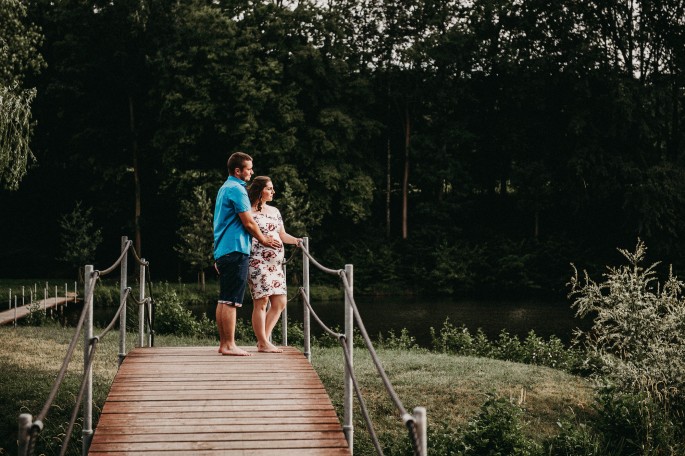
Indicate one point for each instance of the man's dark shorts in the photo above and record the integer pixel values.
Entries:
(232, 269)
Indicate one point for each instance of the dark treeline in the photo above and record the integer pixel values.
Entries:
(440, 146)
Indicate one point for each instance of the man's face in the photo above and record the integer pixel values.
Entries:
(246, 172)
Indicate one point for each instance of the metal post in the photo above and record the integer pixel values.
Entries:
(23, 436)
(348, 425)
(66, 295)
(421, 429)
(15, 310)
(87, 431)
(284, 314)
(141, 306)
(306, 317)
(122, 291)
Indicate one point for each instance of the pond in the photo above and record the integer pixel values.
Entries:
(382, 314)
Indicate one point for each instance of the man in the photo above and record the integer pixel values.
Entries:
(233, 231)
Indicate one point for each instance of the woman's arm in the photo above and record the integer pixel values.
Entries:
(288, 239)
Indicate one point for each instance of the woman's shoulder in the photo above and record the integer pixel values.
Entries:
(273, 211)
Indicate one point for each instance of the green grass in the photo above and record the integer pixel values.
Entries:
(452, 388)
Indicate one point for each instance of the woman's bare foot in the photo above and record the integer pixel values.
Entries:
(268, 348)
(235, 351)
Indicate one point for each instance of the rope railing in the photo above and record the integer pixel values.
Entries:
(416, 424)
(29, 429)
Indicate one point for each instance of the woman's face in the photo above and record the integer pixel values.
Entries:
(268, 192)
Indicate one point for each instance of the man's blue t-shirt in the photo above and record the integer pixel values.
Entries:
(229, 233)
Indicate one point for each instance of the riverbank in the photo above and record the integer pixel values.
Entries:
(452, 388)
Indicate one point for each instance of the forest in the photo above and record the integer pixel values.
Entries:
(452, 147)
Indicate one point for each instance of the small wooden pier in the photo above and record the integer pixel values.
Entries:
(191, 400)
(8, 316)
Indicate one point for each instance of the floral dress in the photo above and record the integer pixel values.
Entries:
(265, 275)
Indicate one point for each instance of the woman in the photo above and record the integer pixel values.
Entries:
(265, 276)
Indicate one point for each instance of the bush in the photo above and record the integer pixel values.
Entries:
(638, 331)
(171, 317)
(497, 430)
(636, 424)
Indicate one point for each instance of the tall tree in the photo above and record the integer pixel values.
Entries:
(19, 59)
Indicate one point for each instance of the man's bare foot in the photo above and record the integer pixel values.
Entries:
(268, 348)
(234, 352)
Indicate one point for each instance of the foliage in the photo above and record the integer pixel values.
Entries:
(638, 330)
(19, 58)
(171, 317)
(36, 316)
(637, 424)
(195, 244)
(497, 430)
(79, 238)
(532, 350)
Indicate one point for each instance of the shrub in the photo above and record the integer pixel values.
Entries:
(497, 430)
(36, 316)
(638, 331)
(636, 424)
(577, 439)
(171, 317)
(402, 342)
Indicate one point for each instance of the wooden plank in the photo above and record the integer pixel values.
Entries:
(242, 452)
(191, 400)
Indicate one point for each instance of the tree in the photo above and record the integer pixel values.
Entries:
(19, 57)
(79, 238)
(195, 244)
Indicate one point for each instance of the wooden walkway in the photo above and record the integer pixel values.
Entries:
(193, 401)
(7, 316)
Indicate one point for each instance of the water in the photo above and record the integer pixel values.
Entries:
(418, 316)
(380, 315)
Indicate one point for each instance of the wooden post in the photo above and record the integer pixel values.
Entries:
(421, 422)
(306, 316)
(284, 314)
(87, 432)
(348, 425)
(122, 292)
(141, 306)
(25, 422)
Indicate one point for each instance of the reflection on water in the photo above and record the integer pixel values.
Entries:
(419, 315)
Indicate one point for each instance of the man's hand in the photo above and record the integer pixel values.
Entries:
(272, 242)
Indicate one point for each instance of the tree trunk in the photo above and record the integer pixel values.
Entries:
(388, 187)
(201, 280)
(405, 178)
(136, 176)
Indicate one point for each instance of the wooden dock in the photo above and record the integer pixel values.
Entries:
(191, 400)
(8, 316)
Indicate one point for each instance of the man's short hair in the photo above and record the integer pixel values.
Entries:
(237, 160)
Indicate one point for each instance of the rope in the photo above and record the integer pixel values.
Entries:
(138, 259)
(37, 425)
(320, 266)
(116, 315)
(150, 316)
(81, 392)
(316, 317)
(116, 263)
(348, 362)
(406, 417)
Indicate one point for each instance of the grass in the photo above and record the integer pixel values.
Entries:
(452, 388)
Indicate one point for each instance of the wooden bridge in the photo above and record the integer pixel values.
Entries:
(8, 316)
(191, 400)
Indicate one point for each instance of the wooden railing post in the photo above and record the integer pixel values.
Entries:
(421, 422)
(23, 436)
(141, 306)
(284, 314)
(87, 431)
(122, 292)
(306, 316)
(348, 425)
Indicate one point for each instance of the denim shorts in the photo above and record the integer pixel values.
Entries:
(232, 269)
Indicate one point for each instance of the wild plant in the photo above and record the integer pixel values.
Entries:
(638, 331)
